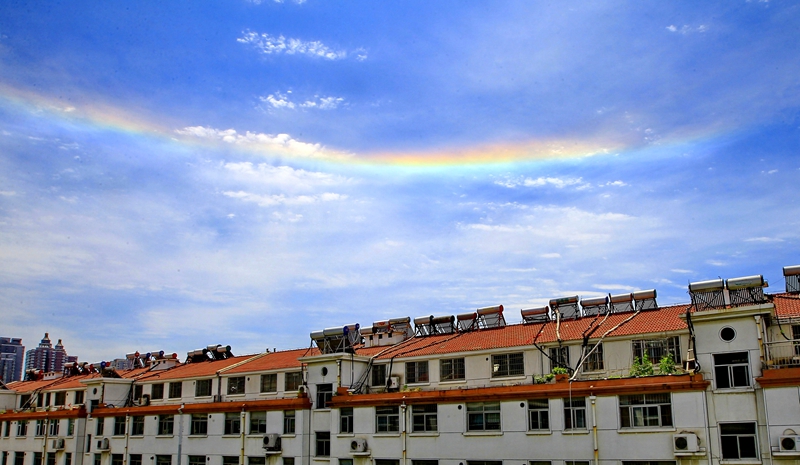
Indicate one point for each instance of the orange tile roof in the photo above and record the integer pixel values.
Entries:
(665, 319)
(194, 370)
(274, 361)
(786, 305)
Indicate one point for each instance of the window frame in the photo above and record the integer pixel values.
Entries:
(258, 422)
(157, 391)
(322, 441)
(417, 372)
(664, 345)
(198, 424)
(541, 412)
(738, 437)
(387, 419)
(292, 381)
(486, 411)
(269, 380)
(166, 425)
(573, 412)
(594, 361)
(289, 422)
(452, 369)
(324, 396)
(235, 386)
(203, 387)
(232, 424)
(426, 416)
(504, 367)
(137, 425)
(378, 375)
(732, 370)
(346, 417)
(119, 426)
(175, 390)
(644, 409)
(559, 357)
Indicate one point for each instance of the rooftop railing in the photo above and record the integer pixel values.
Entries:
(782, 354)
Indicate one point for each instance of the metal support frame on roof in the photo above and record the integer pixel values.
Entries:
(491, 317)
(645, 300)
(337, 339)
(621, 303)
(467, 321)
(708, 294)
(748, 290)
(792, 276)
(535, 315)
(566, 306)
(595, 306)
(430, 325)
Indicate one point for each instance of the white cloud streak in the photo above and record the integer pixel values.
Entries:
(272, 45)
(282, 101)
(280, 199)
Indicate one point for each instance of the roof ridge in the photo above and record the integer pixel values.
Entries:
(237, 364)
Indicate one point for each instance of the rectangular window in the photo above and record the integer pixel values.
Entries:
(100, 426)
(575, 413)
(292, 381)
(576, 462)
(230, 460)
(288, 460)
(559, 357)
(269, 382)
(157, 391)
(451, 369)
(508, 365)
(655, 349)
(540, 462)
(22, 428)
(163, 460)
(424, 418)
(346, 420)
(348, 462)
(137, 426)
(51, 458)
(137, 392)
(738, 441)
(424, 462)
(378, 376)
(233, 423)
(732, 370)
(197, 460)
(79, 397)
(199, 424)
(648, 462)
(485, 462)
(288, 422)
(387, 419)
(483, 416)
(323, 440)
(594, 362)
(119, 426)
(202, 388)
(256, 460)
(6, 429)
(37, 458)
(68, 459)
(4, 460)
(19, 458)
(60, 398)
(236, 385)
(53, 428)
(40, 427)
(116, 459)
(175, 390)
(416, 372)
(70, 426)
(166, 424)
(645, 410)
(539, 415)
(386, 462)
(324, 395)
(258, 422)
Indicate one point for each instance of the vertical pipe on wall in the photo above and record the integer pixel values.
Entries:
(593, 399)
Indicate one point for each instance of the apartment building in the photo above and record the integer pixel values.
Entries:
(616, 380)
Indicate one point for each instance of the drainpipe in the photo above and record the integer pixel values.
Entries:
(180, 432)
(46, 435)
(593, 399)
(403, 408)
(242, 417)
(338, 374)
(707, 428)
(127, 436)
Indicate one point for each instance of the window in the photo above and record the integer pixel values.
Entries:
(416, 372)
(648, 462)
(233, 423)
(116, 459)
(202, 388)
(485, 462)
(386, 462)
(40, 427)
(655, 349)
(731, 370)
(119, 426)
(24, 400)
(175, 390)
(197, 460)
(88, 442)
(4, 460)
(60, 398)
(256, 460)
(575, 413)
(258, 422)
(51, 459)
(70, 426)
(508, 365)
(594, 362)
(100, 426)
(37, 458)
(269, 382)
(483, 416)
(538, 415)
(137, 426)
(163, 460)
(796, 338)
(539, 462)
(288, 422)
(738, 441)
(424, 418)
(576, 462)
(137, 392)
(378, 375)
(78, 397)
(19, 458)
(324, 395)
(22, 428)
(53, 429)
(346, 420)
(166, 424)
(345, 461)
(559, 357)
(451, 369)
(288, 461)
(199, 424)
(424, 462)
(387, 419)
(293, 381)
(236, 385)
(230, 460)
(6, 429)
(645, 410)
(68, 459)
(323, 440)
(157, 391)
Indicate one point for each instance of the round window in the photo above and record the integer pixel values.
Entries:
(324, 371)
(727, 334)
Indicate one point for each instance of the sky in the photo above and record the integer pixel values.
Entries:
(179, 174)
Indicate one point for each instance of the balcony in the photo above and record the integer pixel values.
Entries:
(782, 354)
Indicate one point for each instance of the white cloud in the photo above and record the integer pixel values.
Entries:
(280, 199)
(541, 182)
(8, 193)
(686, 29)
(763, 239)
(679, 270)
(614, 287)
(616, 184)
(282, 101)
(716, 262)
(551, 255)
(278, 100)
(280, 142)
(269, 45)
(283, 176)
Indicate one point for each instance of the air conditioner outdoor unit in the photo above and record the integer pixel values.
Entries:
(685, 443)
(358, 445)
(102, 444)
(790, 444)
(394, 382)
(145, 400)
(58, 444)
(272, 441)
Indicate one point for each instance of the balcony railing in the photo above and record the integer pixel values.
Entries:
(781, 354)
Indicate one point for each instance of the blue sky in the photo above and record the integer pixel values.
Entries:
(177, 174)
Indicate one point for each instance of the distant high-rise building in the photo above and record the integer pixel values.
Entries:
(46, 357)
(11, 354)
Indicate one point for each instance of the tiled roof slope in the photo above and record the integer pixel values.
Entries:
(786, 305)
(274, 361)
(195, 370)
(665, 319)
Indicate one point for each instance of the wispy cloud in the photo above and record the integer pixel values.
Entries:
(280, 199)
(540, 182)
(763, 239)
(278, 142)
(613, 287)
(280, 100)
(283, 176)
(276, 45)
(687, 29)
